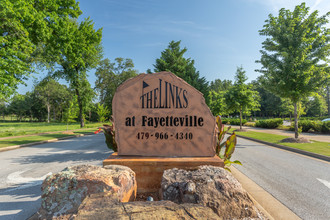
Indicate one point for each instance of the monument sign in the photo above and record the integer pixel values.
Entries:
(161, 115)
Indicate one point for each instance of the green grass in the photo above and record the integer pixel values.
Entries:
(322, 148)
(37, 138)
(8, 129)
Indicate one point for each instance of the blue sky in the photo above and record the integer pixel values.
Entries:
(219, 34)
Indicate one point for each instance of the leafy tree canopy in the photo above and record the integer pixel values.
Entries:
(295, 54)
(79, 51)
(27, 30)
(110, 76)
(291, 58)
(241, 97)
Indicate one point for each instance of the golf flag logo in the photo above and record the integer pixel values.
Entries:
(145, 84)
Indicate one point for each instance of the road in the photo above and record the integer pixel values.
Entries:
(301, 183)
(23, 170)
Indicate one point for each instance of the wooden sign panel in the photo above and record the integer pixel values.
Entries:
(161, 115)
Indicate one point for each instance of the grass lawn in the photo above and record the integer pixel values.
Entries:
(315, 147)
(36, 138)
(8, 129)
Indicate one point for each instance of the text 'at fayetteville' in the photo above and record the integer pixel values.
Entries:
(168, 121)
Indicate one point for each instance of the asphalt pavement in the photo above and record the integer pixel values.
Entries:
(299, 182)
(23, 170)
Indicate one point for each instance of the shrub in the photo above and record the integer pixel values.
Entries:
(269, 123)
(225, 121)
(306, 125)
(233, 121)
(317, 126)
(250, 124)
(325, 127)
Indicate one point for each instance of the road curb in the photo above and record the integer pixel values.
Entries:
(265, 202)
(306, 153)
(42, 142)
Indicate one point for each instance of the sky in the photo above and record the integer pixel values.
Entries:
(220, 35)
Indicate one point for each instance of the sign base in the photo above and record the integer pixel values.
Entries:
(149, 170)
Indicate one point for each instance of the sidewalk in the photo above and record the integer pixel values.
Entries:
(43, 133)
(311, 136)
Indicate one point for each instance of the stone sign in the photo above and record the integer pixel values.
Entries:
(161, 115)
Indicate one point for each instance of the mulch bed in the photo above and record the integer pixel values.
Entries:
(241, 130)
(296, 140)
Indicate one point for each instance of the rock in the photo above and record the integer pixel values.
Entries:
(63, 192)
(209, 186)
(161, 115)
(101, 206)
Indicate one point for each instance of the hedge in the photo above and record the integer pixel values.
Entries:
(269, 123)
(308, 125)
(233, 121)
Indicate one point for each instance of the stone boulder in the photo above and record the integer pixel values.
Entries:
(63, 192)
(209, 186)
(102, 206)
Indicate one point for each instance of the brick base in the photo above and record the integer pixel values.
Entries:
(149, 170)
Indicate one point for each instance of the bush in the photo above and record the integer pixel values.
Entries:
(269, 123)
(325, 127)
(306, 125)
(233, 121)
(250, 124)
(317, 126)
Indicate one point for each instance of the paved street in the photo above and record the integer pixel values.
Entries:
(300, 183)
(23, 170)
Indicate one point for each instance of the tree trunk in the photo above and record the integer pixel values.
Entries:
(82, 123)
(54, 113)
(296, 133)
(48, 113)
(240, 118)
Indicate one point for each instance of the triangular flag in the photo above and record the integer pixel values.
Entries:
(145, 84)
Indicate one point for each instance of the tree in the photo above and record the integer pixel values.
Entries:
(270, 104)
(110, 76)
(27, 28)
(70, 111)
(328, 96)
(102, 112)
(51, 93)
(217, 103)
(297, 42)
(38, 108)
(216, 97)
(218, 85)
(317, 106)
(86, 98)
(241, 97)
(172, 60)
(3, 109)
(19, 106)
(79, 51)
